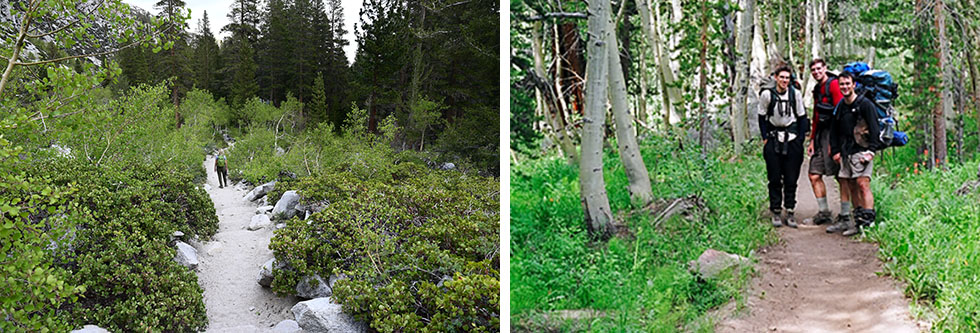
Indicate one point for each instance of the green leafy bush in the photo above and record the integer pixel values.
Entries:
(928, 236)
(89, 234)
(32, 286)
(123, 255)
(397, 235)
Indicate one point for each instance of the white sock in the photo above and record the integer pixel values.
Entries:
(845, 208)
(822, 202)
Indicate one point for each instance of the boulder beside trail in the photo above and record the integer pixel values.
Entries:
(264, 209)
(323, 315)
(286, 205)
(306, 289)
(712, 262)
(90, 329)
(186, 255)
(287, 326)
(259, 221)
(260, 191)
(265, 273)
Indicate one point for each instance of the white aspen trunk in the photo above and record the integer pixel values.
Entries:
(870, 57)
(595, 203)
(641, 101)
(818, 19)
(743, 43)
(558, 131)
(669, 94)
(677, 14)
(629, 152)
(758, 71)
(772, 47)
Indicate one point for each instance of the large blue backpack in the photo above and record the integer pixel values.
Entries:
(877, 86)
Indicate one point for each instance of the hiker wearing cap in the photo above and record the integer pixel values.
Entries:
(826, 95)
(853, 143)
(783, 125)
(221, 167)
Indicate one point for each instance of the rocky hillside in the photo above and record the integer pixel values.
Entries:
(11, 19)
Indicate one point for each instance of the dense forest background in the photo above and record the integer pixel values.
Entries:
(107, 114)
(623, 110)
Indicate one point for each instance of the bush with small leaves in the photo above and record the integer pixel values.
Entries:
(419, 246)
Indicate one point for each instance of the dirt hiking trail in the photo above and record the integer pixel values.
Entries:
(230, 263)
(812, 281)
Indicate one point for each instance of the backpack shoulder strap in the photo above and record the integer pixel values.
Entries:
(773, 98)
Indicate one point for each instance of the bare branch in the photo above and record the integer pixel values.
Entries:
(77, 56)
(558, 15)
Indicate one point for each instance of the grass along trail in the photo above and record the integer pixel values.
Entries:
(230, 263)
(812, 281)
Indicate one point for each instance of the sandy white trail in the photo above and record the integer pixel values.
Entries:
(229, 266)
(817, 282)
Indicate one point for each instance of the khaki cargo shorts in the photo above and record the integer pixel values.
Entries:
(821, 163)
(852, 167)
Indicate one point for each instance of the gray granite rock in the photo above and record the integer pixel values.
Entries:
(260, 191)
(287, 326)
(286, 207)
(313, 287)
(323, 315)
(186, 255)
(259, 221)
(712, 262)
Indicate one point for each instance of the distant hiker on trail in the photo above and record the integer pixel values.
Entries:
(853, 143)
(784, 124)
(826, 95)
(221, 167)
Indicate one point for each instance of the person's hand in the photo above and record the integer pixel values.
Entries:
(809, 148)
(867, 156)
(837, 158)
(764, 141)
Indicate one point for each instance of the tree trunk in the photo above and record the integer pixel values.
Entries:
(629, 152)
(572, 66)
(703, 82)
(939, 113)
(870, 57)
(743, 43)
(669, 93)
(595, 203)
(549, 105)
(641, 101)
(816, 45)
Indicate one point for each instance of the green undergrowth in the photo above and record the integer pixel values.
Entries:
(86, 236)
(396, 235)
(929, 238)
(639, 281)
(419, 246)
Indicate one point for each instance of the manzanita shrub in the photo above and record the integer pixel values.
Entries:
(85, 244)
(123, 254)
(419, 247)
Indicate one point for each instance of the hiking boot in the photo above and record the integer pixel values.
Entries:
(852, 228)
(823, 217)
(864, 217)
(840, 225)
(777, 220)
(790, 220)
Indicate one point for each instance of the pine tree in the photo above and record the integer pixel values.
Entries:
(205, 55)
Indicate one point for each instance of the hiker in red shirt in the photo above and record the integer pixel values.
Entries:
(826, 95)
